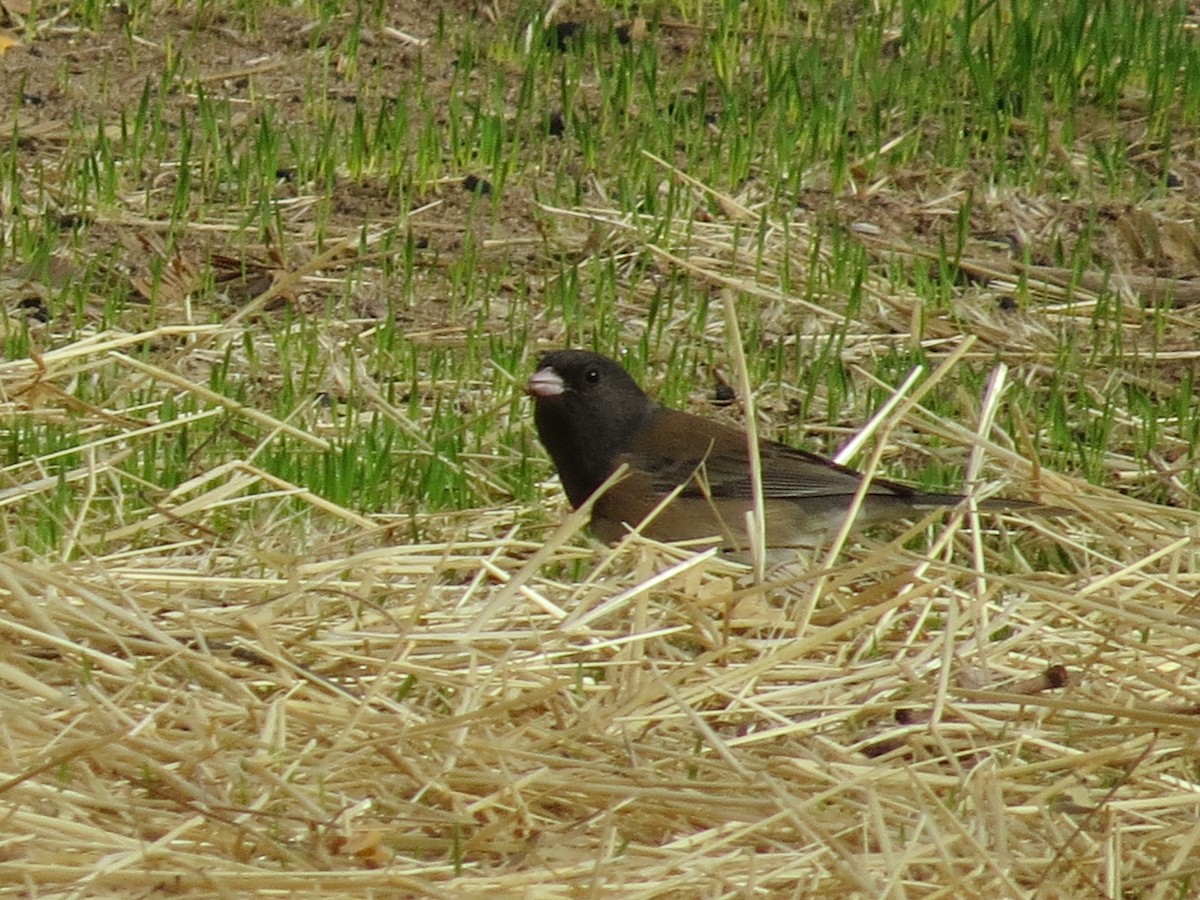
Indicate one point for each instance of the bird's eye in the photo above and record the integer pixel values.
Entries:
(591, 375)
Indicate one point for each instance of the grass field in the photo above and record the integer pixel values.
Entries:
(291, 600)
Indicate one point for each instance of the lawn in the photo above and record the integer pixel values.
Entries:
(290, 597)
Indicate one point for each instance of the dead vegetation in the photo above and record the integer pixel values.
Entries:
(239, 685)
(254, 689)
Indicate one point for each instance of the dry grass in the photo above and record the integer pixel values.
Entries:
(255, 690)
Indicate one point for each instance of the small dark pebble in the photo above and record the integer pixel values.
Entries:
(71, 220)
(564, 33)
(34, 308)
(1057, 677)
(881, 748)
(475, 185)
(723, 395)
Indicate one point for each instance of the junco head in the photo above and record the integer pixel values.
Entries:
(592, 417)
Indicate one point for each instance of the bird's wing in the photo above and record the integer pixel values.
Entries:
(711, 459)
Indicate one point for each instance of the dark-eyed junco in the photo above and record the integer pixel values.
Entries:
(592, 417)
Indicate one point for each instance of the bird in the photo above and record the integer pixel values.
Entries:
(593, 418)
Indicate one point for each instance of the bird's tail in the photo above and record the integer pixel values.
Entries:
(991, 504)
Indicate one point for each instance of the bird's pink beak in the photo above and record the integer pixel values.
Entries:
(545, 383)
